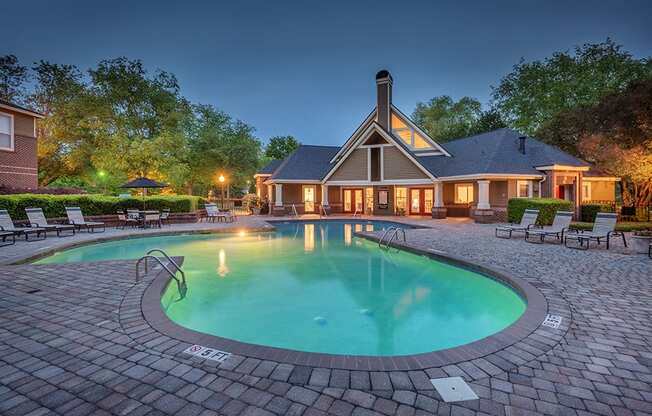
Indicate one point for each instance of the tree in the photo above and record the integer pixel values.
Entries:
(445, 119)
(219, 145)
(280, 147)
(12, 77)
(535, 91)
(615, 134)
(489, 120)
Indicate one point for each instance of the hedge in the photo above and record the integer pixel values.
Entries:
(547, 208)
(621, 226)
(54, 205)
(589, 211)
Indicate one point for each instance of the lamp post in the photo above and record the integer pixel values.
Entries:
(221, 179)
(102, 176)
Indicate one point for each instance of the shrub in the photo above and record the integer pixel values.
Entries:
(547, 208)
(54, 205)
(251, 201)
(589, 211)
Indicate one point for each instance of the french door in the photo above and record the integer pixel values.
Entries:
(309, 199)
(421, 200)
(353, 200)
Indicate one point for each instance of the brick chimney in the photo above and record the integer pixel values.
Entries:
(384, 99)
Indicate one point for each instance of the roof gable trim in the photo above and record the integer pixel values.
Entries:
(355, 135)
(375, 127)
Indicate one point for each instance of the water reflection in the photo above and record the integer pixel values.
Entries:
(222, 268)
(308, 237)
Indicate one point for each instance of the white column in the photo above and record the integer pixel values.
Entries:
(483, 195)
(439, 195)
(324, 195)
(278, 199)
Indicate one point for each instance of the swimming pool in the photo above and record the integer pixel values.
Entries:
(315, 287)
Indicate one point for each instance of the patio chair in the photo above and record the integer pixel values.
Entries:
(604, 228)
(152, 219)
(37, 219)
(165, 216)
(528, 220)
(76, 218)
(124, 220)
(559, 226)
(7, 225)
(4, 235)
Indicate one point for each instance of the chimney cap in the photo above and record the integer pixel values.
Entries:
(383, 73)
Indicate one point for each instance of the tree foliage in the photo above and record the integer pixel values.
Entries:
(12, 79)
(280, 147)
(534, 92)
(615, 134)
(445, 119)
(118, 121)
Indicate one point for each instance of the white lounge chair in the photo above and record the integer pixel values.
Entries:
(7, 225)
(603, 228)
(226, 214)
(528, 220)
(37, 219)
(76, 218)
(211, 212)
(559, 226)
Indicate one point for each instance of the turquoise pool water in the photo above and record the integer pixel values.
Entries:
(315, 287)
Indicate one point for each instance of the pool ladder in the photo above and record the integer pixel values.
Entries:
(391, 234)
(181, 283)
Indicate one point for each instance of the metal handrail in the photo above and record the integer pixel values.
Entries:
(294, 210)
(181, 285)
(382, 237)
(394, 234)
(168, 258)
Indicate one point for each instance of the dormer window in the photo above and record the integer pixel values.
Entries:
(408, 135)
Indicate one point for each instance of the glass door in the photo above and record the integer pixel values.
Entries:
(415, 201)
(428, 197)
(369, 200)
(309, 199)
(359, 202)
(348, 200)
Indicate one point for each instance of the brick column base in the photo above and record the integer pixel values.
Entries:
(438, 212)
(488, 216)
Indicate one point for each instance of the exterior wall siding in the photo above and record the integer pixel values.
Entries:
(19, 168)
(353, 168)
(498, 193)
(398, 166)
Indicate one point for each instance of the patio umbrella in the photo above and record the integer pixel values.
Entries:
(144, 183)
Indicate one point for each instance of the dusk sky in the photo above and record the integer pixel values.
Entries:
(307, 68)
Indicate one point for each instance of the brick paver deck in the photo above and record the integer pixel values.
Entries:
(73, 341)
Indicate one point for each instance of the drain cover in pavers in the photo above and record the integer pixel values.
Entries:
(453, 389)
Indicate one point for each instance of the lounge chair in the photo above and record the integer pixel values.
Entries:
(7, 225)
(226, 214)
(528, 220)
(211, 212)
(4, 235)
(37, 219)
(559, 226)
(603, 228)
(76, 218)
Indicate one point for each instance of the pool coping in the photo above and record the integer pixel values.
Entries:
(529, 322)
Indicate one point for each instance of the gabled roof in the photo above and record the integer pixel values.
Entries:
(269, 168)
(15, 107)
(308, 162)
(496, 152)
